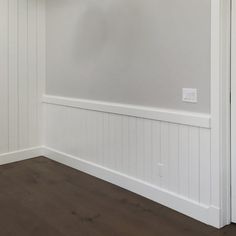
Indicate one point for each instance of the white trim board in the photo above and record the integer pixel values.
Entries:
(233, 112)
(172, 116)
(203, 213)
(220, 107)
(20, 155)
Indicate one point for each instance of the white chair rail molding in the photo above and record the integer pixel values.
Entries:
(136, 93)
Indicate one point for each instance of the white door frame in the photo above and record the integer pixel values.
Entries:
(220, 110)
(233, 110)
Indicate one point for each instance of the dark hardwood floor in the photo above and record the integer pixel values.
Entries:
(43, 198)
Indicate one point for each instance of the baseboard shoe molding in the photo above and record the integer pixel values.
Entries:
(173, 116)
(20, 155)
(207, 214)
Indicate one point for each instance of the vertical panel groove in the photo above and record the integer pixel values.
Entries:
(21, 72)
(171, 156)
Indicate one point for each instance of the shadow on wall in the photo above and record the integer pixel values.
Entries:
(139, 52)
(107, 35)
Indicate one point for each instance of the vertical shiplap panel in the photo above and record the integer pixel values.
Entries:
(147, 150)
(41, 65)
(107, 141)
(118, 143)
(173, 157)
(99, 138)
(23, 75)
(4, 46)
(51, 125)
(132, 157)
(205, 167)
(85, 140)
(112, 161)
(156, 152)
(80, 140)
(91, 136)
(95, 156)
(61, 133)
(13, 74)
(140, 149)
(184, 160)
(68, 135)
(164, 163)
(194, 161)
(77, 132)
(60, 140)
(71, 130)
(126, 144)
(113, 133)
(32, 72)
(96, 151)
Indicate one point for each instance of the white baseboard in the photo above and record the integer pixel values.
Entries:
(20, 155)
(206, 214)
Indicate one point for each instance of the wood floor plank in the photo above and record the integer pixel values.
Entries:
(42, 197)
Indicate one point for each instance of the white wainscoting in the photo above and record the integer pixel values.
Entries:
(22, 74)
(169, 162)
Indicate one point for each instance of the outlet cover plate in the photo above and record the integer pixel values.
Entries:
(190, 95)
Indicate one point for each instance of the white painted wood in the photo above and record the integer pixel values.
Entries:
(13, 74)
(4, 44)
(172, 157)
(233, 111)
(148, 150)
(32, 71)
(220, 108)
(194, 163)
(215, 90)
(226, 117)
(172, 116)
(164, 157)
(22, 74)
(184, 160)
(20, 155)
(132, 154)
(167, 198)
(138, 163)
(41, 63)
(205, 167)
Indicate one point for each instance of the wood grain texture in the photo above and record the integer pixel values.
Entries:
(41, 197)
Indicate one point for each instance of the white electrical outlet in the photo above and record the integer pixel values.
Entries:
(190, 95)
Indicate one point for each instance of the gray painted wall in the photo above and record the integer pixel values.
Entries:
(139, 52)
